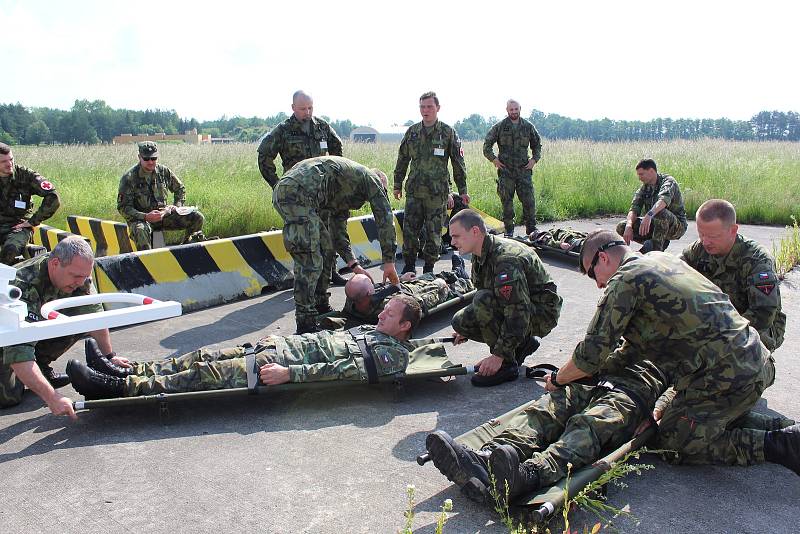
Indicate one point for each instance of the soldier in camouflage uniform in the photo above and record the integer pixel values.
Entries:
(300, 137)
(364, 299)
(570, 425)
(672, 315)
(657, 214)
(427, 146)
(566, 239)
(516, 300)
(513, 136)
(742, 268)
(64, 272)
(142, 201)
(17, 219)
(320, 356)
(308, 190)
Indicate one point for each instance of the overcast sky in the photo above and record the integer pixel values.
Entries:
(369, 61)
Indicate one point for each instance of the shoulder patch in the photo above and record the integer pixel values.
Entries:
(503, 277)
(765, 288)
(46, 185)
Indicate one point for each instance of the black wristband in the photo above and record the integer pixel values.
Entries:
(554, 381)
(110, 355)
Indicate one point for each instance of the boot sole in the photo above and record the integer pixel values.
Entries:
(445, 459)
(476, 491)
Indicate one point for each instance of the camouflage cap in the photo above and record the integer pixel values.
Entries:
(148, 149)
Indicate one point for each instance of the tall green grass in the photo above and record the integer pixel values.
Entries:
(573, 179)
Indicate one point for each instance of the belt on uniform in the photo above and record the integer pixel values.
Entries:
(367, 356)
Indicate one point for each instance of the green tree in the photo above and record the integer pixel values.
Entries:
(37, 133)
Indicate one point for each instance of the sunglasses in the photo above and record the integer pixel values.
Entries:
(146, 158)
(603, 248)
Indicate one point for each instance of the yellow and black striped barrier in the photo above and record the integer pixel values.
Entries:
(47, 236)
(107, 238)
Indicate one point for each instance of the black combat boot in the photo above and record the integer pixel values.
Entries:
(103, 364)
(337, 279)
(508, 371)
(509, 232)
(511, 477)
(94, 385)
(325, 307)
(57, 380)
(783, 447)
(458, 463)
(409, 267)
(647, 246)
(532, 230)
(526, 349)
(307, 325)
(458, 266)
(427, 268)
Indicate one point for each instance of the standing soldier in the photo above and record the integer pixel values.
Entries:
(513, 136)
(142, 200)
(659, 199)
(516, 302)
(427, 146)
(17, 219)
(300, 137)
(309, 189)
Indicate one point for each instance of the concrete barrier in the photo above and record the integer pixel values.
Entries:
(106, 237)
(47, 236)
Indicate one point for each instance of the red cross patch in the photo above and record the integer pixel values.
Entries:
(505, 292)
(766, 288)
(45, 185)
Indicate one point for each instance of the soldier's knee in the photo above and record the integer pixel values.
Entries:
(621, 227)
(483, 300)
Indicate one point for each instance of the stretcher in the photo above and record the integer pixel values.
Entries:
(557, 252)
(421, 366)
(540, 505)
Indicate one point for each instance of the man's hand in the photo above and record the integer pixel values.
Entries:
(122, 362)
(153, 216)
(407, 277)
(358, 269)
(62, 406)
(273, 374)
(465, 199)
(498, 164)
(531, 163)
(644, 227)
(489, 365)
(657, 413)
(458, 338)
(21, 226)
(390, 274)
(627, 235)
(450, 201)
(548, 385)
(398, 194)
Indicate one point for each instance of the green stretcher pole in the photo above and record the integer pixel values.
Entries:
(452, 302)
(456, 370)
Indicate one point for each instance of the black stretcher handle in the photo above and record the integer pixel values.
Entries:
(423, 458)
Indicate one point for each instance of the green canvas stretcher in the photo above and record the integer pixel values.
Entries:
(542, 504)
(421, 365)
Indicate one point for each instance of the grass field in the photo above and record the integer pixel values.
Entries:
(573, 179)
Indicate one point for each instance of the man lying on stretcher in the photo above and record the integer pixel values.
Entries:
(280, 359)
(566, 239)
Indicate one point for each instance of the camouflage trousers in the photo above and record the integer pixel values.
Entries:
(717, 427)
(665, 226)
(424, 216)
(308, 241)
(47, 351)
(520, 182)
(141, 232)
(13, 243)
(573, 424)
(481, 319)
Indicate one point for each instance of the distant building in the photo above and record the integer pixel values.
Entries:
(191, 137)
(367, 134)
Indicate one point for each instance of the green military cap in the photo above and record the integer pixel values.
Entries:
(148, 149)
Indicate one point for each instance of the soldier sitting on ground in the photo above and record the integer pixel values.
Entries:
(362, 354)
(142, 201)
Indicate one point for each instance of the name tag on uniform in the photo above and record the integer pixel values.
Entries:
(323, 145)
(438, 152)
(20, 204)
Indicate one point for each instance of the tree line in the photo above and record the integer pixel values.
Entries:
(93, 122)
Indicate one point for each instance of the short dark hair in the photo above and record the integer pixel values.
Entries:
(5, 149)
(647, 163)
(430, 94)
(594, 241)
(716, 208)
(468, 218)
(412, 311)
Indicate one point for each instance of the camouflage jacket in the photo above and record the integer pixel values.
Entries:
(337, 356)
(424, 289)
(518, 279)
(513, 142)
(140, 193)
(747, 275)
(37, 289)
(334, 185)
(671, 315)
(554, 237)
(428, 154)
(15, 197)
(294, 145)
(666, 189)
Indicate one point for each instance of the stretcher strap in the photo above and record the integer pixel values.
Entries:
(369, 360)
(251, 368)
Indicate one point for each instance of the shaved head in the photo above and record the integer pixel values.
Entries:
(358, 287)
